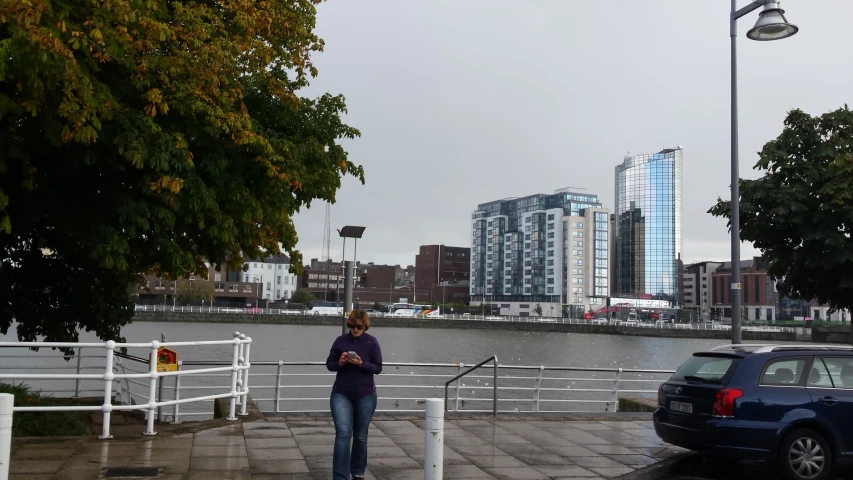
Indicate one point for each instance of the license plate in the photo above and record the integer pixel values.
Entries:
(681, 407)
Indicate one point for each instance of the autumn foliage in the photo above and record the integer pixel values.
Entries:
(149, 136)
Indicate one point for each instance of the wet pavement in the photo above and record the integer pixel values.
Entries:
(699, 469)
(301, 449)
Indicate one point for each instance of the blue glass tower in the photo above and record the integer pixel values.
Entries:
(647, 260)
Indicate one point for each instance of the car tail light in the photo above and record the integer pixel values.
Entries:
(661, 401)
(724, 402)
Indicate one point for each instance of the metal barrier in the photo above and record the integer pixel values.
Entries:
(466, 372)
(660, 324)
(280, 387)
(523, 388)
(115, 376)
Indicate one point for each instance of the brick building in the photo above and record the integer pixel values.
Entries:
(442, 274)
(227, 292)
(758, 290)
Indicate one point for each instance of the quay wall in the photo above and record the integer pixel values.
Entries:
(379, 322)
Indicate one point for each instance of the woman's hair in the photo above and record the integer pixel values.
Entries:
(357, 315)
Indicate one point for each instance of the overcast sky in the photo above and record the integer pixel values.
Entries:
(461, 102)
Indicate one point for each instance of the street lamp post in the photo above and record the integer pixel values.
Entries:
(354, 233)
(771, 25)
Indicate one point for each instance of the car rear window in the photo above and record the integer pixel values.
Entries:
(708, 369)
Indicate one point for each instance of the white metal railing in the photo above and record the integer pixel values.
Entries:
(660, 324)
(114, 376)
(302, 387)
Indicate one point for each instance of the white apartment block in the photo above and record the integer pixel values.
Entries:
(545, 250)
(273, 273)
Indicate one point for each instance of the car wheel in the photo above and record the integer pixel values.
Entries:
(805, 455)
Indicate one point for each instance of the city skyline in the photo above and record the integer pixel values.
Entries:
(445, 123)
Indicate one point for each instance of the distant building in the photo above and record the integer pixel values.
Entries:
(227, 292)
(697, 287)
(442, 273)
(647, 238)
(273, 273)
(758, 290)
(549, 250)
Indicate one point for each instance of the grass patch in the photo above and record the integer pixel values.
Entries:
(44, 424)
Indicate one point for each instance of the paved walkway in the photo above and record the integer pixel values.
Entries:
(295, 449)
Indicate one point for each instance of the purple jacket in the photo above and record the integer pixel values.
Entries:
(352, 380)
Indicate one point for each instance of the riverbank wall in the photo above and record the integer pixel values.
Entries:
(379, 322)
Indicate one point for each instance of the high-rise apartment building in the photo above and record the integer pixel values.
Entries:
(647, 239)
(547, 250)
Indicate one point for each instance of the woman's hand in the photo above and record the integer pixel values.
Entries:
(355, 361)
(343, 360)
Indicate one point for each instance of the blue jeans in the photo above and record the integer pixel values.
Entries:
(352, 418)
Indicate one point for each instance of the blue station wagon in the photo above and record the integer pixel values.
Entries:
(785, 404)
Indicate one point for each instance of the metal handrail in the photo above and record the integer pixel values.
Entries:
(466, 372)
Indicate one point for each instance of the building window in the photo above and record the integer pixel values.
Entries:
(528, 272)
(551, 216)
(577, 280)
(550, 226)
(550, 271)
(577, 261)
(577, 234)
(550, 244)
(527, 246)
(550, 289)
(550, 281)
(577, 253)
(577, 243)
(550, 234)
(577, 225)
(269, 286)
(527, 263)
(550, 253)
(278, 280)
(269, 266)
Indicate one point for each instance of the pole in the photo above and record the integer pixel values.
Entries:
(7, 401)
(735, 186)
(338, 284)
(347, 293)
(434, 440)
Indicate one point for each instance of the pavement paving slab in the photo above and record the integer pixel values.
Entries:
(301, 449)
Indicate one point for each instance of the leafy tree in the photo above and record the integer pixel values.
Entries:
(538, 309)
(303, 297)
(152, 136)
(377, 306)
(194, 291)
(800, 213)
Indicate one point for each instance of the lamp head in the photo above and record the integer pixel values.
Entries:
(771, 24)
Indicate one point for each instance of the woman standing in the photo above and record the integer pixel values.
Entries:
(357, 358)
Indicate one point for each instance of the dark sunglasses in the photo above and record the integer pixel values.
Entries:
(356, 327)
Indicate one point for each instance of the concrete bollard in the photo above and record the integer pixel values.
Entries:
(434, 437)
(7, 401)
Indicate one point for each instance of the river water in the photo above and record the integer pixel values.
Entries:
(403, 385)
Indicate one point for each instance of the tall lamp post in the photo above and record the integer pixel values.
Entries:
(771, 25)
(345, 233)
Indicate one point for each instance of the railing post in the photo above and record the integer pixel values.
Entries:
(614, 395)
(240, 372)
(175, 418)
(109, 376)
(160, 388)
(278, 385)
(234, 370)
(458, 371)
(246, 365)
(495, 390)
(7, 402)
(536, 391)
(434, 440)
(152, 388)
(77, 380)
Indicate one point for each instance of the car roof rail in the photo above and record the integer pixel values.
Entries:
(743, 347)
(788, 348)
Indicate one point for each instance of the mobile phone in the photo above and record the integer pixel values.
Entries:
(352, 354)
